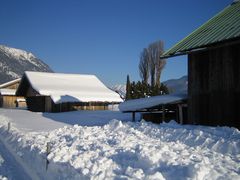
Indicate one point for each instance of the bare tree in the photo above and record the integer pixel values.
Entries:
(151, 64)
(160, 63)
(144, 66)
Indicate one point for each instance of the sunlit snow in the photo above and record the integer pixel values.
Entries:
(91, 145)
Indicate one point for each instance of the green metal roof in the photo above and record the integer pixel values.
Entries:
(222, 27)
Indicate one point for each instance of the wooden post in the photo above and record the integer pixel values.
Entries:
(9, 126)
(47, 153)
(133, 116)
(180, 113)
(163, 113)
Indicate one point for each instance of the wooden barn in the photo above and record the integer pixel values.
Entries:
(158, 108)
(57, 92)
(8, 98)
(213, 69)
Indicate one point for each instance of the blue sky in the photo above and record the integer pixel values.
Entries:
(102, 37)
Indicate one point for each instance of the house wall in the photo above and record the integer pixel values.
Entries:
(63, 107)
(214, 86)
(45, 104)
(36, 103)
(10, 101)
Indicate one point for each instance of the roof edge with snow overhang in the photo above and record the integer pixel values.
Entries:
(142, 104)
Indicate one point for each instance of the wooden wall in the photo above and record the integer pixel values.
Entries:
(63, 107)
(10, 101)
(214, 86)
(45, 104)
(36, 103)
(13, 86)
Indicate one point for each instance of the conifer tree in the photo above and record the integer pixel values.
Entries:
(128, 89)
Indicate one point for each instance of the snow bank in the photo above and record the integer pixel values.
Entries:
(125, 150)
(1, 164)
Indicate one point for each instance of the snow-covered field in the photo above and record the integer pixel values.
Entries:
(98, 145)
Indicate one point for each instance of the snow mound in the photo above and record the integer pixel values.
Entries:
(126, 150)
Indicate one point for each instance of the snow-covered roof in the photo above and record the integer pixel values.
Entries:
(71, 87)
(10, 83)
(7, 91)
(145, 103)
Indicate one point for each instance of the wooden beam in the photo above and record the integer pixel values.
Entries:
(133, 116)
(180, 113)
(163, 113)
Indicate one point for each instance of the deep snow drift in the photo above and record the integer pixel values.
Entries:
(124, 150)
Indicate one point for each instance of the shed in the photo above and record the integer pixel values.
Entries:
(58, 92)
(213, 69)
(158, 108)
(8, 98)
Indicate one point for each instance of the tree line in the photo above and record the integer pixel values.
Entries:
(150, 69)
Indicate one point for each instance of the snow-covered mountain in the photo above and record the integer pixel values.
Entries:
(13, 63)
(120, 89)
(174, 85)
(177, 85)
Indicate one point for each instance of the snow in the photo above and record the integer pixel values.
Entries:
(119, 149)
(13, 74)
(71, 87)
(28, 121)
(18, 54)
(7, 91)
(143, 103)
(120, 89)
(9, 167)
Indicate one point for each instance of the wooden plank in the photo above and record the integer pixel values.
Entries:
(214, 87)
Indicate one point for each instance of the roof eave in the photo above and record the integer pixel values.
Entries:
(203, 48)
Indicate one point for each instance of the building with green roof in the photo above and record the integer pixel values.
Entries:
(213, 69)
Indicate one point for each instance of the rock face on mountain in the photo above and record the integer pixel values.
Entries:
(13, 63)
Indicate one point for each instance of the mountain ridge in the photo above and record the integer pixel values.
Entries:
(13, 63)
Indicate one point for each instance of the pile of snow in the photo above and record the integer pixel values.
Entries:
(1, 164)
(71, 87)
(126, 150)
